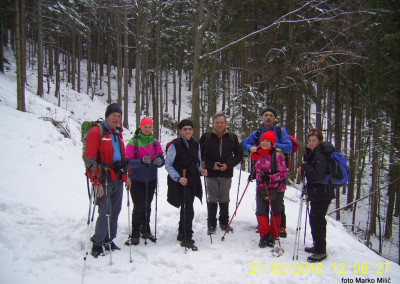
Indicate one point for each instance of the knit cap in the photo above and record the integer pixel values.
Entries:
(270, 135)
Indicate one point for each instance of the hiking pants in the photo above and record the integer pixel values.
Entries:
(318, 224)
(109, 203)
(218, 192)
(138, 193)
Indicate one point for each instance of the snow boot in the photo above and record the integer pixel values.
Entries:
(97, 251)
(189, 243)
(317, 257)
(149, 236)
(113, 246)
(310, 249)
(211, 230)
(132, 241)
(282, 232)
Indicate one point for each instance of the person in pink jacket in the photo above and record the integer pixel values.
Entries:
(270, 172)
(145, 157)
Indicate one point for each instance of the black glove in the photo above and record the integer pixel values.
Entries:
(157, 161)
(146, 160)
(252, 176)
(265, 178)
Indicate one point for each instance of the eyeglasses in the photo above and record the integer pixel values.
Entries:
(187, 129)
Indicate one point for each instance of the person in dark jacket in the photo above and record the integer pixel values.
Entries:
(108, 154)
(144, 159)
(221, 152)
(315, 166)
(184, 166)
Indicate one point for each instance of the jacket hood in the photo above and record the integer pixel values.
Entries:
(327, 148)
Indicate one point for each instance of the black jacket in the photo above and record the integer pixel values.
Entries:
(315, 168)
(186, 158)
(230, 153)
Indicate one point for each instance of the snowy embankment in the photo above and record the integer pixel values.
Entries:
(44, 207)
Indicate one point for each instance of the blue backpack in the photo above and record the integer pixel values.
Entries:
(339, 172)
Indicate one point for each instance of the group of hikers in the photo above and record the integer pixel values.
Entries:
(109, 164)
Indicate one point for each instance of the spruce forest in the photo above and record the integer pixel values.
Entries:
(332, 65)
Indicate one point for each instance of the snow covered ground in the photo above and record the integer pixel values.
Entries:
(44, 207)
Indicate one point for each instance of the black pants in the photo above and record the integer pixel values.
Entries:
(141, 206)
(187, 212)
(318, 224)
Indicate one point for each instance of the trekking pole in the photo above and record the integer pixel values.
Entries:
(129, 217)
(279, 251)
(205, 187)
(234, 214)
(90, 219)
(298, 228)
(146, 202)
(155, 216)
(305, 222)
(108, 214)
(184, 209)
(240, 174)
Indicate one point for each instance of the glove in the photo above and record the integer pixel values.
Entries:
(252, 176)
(146, 160)
(265, 178)
(157, 161)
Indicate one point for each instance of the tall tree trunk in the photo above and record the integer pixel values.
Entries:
(119, 65)
(352, 152)
(109, 59)
(20, 52)
(201, 26)
(394, 170)
(126, 71)
(79, 63)
(338, 132)
(73, 61)
(40, 51)
(89, 61)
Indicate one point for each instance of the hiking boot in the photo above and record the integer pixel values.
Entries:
(317, 257)
(189, 243)
(310, 249)
(263, 242)
(113, 246)
(223, 228)
(211, 230)
(133, 241)
(96, 251)
(180, 237)
(282, 232)
(149, 236)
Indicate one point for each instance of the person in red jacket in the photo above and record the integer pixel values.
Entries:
(107, 154)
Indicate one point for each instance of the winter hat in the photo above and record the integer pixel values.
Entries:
(145, 121)
(270, 135)
(113, 108)
(271, 109)
(185, 122)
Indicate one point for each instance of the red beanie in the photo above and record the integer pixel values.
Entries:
(145, 121)
(270, 135)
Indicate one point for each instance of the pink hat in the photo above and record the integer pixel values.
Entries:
(145, 121)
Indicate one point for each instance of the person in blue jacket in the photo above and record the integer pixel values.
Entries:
(282, 141)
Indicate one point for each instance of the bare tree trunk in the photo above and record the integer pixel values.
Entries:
(20, 52)
(109, 58)
(352, 152)
(201, 25)
(79, 63)
(119, 63)
(40, 51)
(73, 72)
(88, 65)
(338, 132)
(126, 71)
(394, 171)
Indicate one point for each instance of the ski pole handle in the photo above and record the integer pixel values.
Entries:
(184, 173)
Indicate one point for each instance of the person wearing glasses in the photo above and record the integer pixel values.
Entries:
(315, 166)
(184, 166)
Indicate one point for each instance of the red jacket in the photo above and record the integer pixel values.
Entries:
(95, 145)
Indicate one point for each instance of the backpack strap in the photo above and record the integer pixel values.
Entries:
(258, 134)
(278, 131)
(135, 144)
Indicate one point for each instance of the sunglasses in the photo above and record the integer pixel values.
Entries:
(313, 133)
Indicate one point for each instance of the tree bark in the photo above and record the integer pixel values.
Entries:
(20, 52)
(40, 51)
